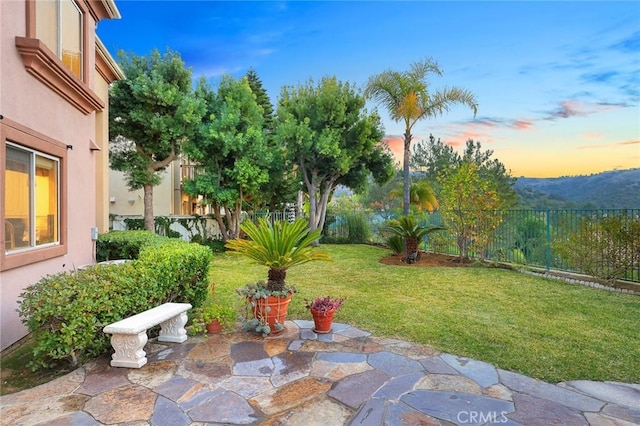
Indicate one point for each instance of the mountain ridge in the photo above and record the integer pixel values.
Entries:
(613, 189)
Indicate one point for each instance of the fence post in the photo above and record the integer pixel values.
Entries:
(548, 240)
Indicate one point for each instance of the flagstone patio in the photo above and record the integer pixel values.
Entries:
(302, 378)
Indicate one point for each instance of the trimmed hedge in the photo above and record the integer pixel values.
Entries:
(123, 244)
(66, 312)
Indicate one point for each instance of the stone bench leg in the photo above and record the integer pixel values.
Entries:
(172, 330)
(128, 350)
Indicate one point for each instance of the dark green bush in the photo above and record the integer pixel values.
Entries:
(122, 244)
(67, 312)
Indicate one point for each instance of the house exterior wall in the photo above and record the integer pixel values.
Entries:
(124, 202)
(30, 107)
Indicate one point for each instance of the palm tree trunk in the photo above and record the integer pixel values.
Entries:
(412, 250)
(276, 281)
(405, 164)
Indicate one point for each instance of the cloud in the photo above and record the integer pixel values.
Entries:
(609, 146)
(494, 122)
(568, 109)
(630, 44)
(600, 77)
(396, 144)
(593, 135)
(522, 124)
(629, 143)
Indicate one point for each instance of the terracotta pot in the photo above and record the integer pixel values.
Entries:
(277, 312)
(214, 327)
(322, 322)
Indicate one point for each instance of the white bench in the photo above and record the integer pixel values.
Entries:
(129, 335)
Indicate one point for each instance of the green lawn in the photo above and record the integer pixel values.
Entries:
(543, 328)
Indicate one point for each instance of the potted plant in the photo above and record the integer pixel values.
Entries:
(214, 317)
(279, 245)
(218, 317)
(412, 232)
(322, 310)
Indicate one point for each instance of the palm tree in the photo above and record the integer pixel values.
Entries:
(407, 97)
(421, 195)
(278, 245)
(411, 231)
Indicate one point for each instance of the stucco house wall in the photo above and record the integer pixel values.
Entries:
(71, 129)
(124, 202)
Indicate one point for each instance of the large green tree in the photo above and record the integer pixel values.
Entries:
(152, 113)
(332, 139)
(474, 190)
(230, 151)
(433, 159)
(282, 186)
(408, 98)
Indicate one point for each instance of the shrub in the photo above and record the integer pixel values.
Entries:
(122, 244)
(605, 248)
(359, 228)
(66, 312)
(396, 244)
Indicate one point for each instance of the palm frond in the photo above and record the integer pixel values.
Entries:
(278, 245)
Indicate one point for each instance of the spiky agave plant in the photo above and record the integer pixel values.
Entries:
(412, 231)
(279, 245)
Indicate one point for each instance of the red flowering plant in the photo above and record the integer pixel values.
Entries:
(324, 305)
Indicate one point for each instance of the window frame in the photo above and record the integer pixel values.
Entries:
(22, 136)
(46, 66)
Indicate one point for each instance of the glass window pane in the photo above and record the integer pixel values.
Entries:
(17, 198)
(47, 23)
(71, 31)
(46, 200)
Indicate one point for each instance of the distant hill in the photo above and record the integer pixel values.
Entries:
(617, 189)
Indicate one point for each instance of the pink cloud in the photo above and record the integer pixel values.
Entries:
(613, 145)
(593, 135)
(460, 139)
(522, 124)
(569, 109)
(396, 144)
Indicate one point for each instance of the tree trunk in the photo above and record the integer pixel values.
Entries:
(276, 280)
(405, 169)
(313, 206)
(236, 220)
(149, 223)
(218, 215)
(324, 201)
(411, 250)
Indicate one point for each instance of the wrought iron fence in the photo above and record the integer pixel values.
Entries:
(527, 237)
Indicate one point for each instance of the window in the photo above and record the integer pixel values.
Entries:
(59, 27)
(53, 49)
(31, 198)
(32, 171)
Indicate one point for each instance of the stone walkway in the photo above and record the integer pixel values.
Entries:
(301, 378)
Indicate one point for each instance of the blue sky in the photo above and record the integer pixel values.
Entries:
(557, 83)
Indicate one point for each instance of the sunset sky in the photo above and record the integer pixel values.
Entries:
(557, 83)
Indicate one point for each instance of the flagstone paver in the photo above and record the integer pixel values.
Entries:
(547, 391)
(458, 407)
(356, 389)
(394, 364)
(608, 391)
(301, 378)
(483, 373)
